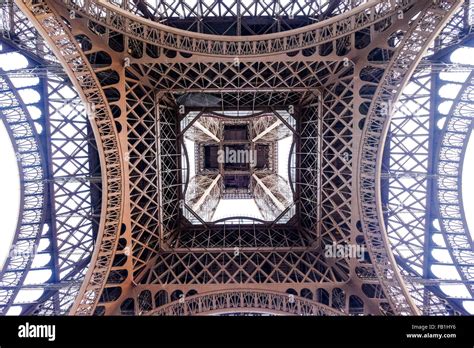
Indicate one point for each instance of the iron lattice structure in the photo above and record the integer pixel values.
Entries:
(139, 74)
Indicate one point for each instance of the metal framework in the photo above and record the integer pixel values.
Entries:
(152, 74)
(456, 131)
(243, 301)
(27, 149)
(228, 164)
(57, 233)
(409, 172)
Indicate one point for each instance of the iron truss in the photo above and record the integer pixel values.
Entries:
(28, 153)
(245, 301)
(131, 65)
(411, 201)
(59, 170)
(236, 17)
(455, 133)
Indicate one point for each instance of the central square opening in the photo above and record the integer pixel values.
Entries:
(237, 165)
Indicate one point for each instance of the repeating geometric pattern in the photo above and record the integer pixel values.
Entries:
(244, 78)
(100, 114)
(407, 178)
(252, 76)
(28, 152)
(332, 96)
(309, 169)
(77, 190)
(191, 238)
(70, 180)
(336, 160)
(217, 267)
(143, 176)
(411, 48)
(406, 175)
(236, 16)
(456, 131)
(155, 39)
(245, 302)
(170, 171)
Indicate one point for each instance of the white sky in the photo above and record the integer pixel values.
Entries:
(9, 193)
(284, 147)
(233, 207)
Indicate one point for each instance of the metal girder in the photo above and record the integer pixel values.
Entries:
(65, 174)
(253, 18)
(87, 85)
(267, 130)
(338, 154)
(362, 16)
(270, 193)
(244, 301)
(32, 212)
(455, 135)
(411, 208)
(206, 131)
(196, 206)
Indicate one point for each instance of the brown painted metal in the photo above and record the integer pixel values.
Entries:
(338, 76)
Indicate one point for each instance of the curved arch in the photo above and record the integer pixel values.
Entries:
(244, 301)
(291, 178)
(77, 67)
(188, 171)
(237, 217)
(453, 225)
(289, 12)
(394, 75)
(31, 167)
(428, 25)
(70, 262)
(113, 17)
(229, 117)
